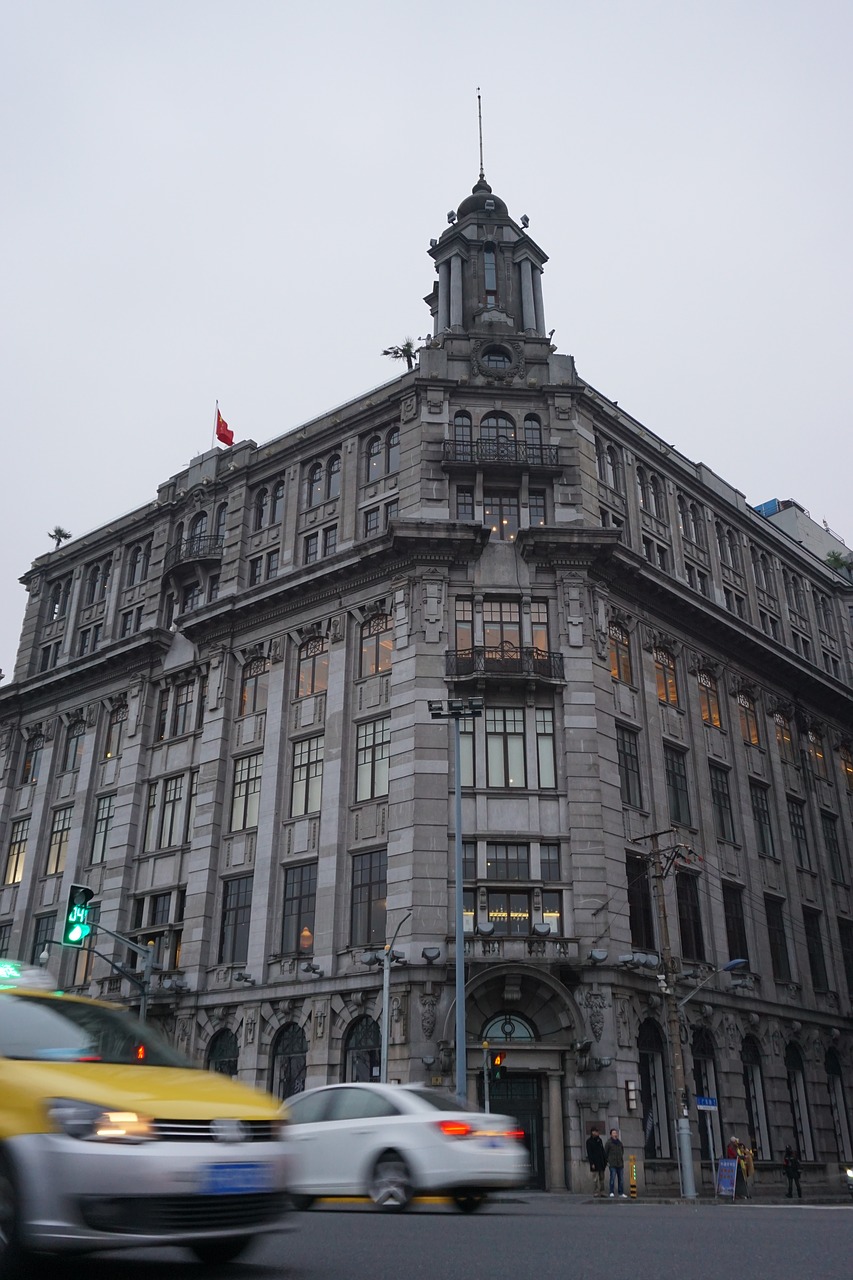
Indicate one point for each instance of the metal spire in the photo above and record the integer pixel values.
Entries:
(480, 123)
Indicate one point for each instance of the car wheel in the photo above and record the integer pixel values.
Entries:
(468, 1201)
(302, 1202)
(224, 1250)
(10, 1247)
(391, 1184)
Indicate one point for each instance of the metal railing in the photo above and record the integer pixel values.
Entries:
(504, 660)
(510, 452)
(198, 547)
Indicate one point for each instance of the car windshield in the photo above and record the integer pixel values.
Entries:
(437, 1101)
(39, 1029)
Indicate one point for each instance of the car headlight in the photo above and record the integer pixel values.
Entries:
(850, 1173)
(92, 1123)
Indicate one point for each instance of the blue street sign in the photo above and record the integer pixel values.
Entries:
(706, 1104)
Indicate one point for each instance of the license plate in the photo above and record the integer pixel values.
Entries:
(235, 1179)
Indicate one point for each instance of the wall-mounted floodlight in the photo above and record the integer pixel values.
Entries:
(433, 243)
(542, 930)
(431, 954)
(525, 221)
(313, 969)
(640, 960)
(596, 956)
(486, 930)
(451, 216)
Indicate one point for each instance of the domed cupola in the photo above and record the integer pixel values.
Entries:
(482, 200)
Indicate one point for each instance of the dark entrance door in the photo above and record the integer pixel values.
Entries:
(521, 1096)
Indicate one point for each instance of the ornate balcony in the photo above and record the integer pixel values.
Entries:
(504, 660)
(509, 453)
(196, 548)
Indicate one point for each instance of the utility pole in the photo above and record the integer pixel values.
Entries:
(667, 985)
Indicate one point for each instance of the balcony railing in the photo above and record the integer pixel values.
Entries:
(206, 547)
(508, 452)
(504, 660)
(516, 950)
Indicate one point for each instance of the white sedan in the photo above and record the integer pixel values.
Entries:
(391, 1142)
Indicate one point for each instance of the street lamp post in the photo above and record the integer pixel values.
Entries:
(386, 959)
(457, 710)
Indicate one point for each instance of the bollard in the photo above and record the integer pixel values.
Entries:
(632, 1176)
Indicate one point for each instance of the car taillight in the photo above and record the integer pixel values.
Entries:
(455, 1128)
(514, 1133)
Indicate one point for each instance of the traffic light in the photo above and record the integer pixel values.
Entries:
(497, 1065)
(77, 928)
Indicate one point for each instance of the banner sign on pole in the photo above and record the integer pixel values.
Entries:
(726, 1178)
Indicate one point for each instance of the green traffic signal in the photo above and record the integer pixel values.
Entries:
(77, 927)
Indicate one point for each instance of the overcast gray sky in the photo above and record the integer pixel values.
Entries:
(208, 199)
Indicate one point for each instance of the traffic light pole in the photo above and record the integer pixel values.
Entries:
(682, 1119)
(147, 953)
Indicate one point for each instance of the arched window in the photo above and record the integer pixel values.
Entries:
(620, 653)
(733, 546)
(363, 1051)
(497, 427)
(509, 1027)
(824, 612)
(60, 594)
(134, 565)
(277, 507)
(657, 501)
(838, 1105)
(253, 688)
(333, 477)
(495, 358)
(314, 485)
(93, 581)
(223, 1053)
(392, 452)
(288, 1061)
(262, 503)
(533, 437)
(722, 544)
(313, 667)
(653, 1090)
(767, 574)
(219, 526)
(462, 427)
(798, 1102)
(643, 492)
(696, 524)
(705, 1084)
(490, 275)
(614, 467)
(197, 533)
(709, 699)
(374, 458)
(665, 675)
(756, 1109)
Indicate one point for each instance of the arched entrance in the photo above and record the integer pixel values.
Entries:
(223, 1053)
(362, 1051)
(288, 1058)
(517, 1093)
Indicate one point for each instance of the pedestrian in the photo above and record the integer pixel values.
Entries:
(749, 1166)
(614, 1154)
(791, 1170)
(734, 1152)
(597, 1161)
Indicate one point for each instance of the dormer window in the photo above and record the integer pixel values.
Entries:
(490, 277)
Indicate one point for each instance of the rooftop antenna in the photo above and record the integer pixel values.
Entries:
(480, 123)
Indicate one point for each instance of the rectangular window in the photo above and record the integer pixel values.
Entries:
(507, 862)
(236, 915)
(103, 823)
(170, 830)
(300, 897)
(73, 753)
(469, 860)
(310, 548)
(761, 820)
(502, 626)
(816, 754)
(45, 930)
(784, 739)
(721, 802)
(509, 912)
(629, 767)
(158, 909)
(500, 513)
(620, 654)
(373, 754)
(371, 522)
(247, 792)
(799, 833)
(549, 862)
(390, 512)
(256, 570)
(689, 916)
(837, 862)
(330, 540)
(665, 677)
(150, 819)
(748, 720)
(307, 785)
(162, 715)
(466, 753)
(845, 933)
(213, 587)
(60, 832)
(182, 708)
(640, 910)
(367, 927)
(32, 759)
(313, 668)
(192, 797)
(545, 757)
(464, 504)
(468, 911)
(676, 786)
(735, 921)
(814, 949)
(505, 747)
(536, 507)
(377, 645)
(115, 732)
(552, 911)
(271, 564)
(5, 938)
(49, 656)
(464, 624)
(17, 851)
(709, 699)
(774, 910)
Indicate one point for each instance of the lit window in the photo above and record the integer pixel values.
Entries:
(377, 645)
(313, 668)
(709, 700)
(748, 719)
(620, 654)
(667, 684)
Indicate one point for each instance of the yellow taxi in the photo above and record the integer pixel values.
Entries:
(110, 1139)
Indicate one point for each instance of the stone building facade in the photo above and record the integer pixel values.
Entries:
(219, 721)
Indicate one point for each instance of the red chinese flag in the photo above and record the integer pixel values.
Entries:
(223, 432)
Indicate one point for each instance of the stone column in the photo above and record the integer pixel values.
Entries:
(538, 303)
(557, 1161)
(456, 292)
(443, 316)
(528, 310)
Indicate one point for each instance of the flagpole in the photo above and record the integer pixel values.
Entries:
(215, 418)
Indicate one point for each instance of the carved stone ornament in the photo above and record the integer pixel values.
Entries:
(275, 649)
(697, 662)
(740, 684)
(779, 707)
(595, 1004)
(429, 1007)
(656, 639)
(515, 351)
(336, 629)
(409, 409)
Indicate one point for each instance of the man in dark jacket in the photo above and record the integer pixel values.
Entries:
(597, 1161)
(791, 1170)
(614, 1154)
